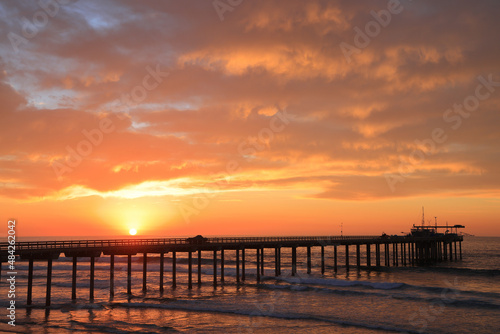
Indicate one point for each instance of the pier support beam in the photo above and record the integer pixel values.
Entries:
(30, 282)
(190, 270)
(335, 258)
(144, 271)
(49, 282)
(412, 253)
(243, 265)
(238, 266)
(92, 275)
(129, 274)
(403, 254)
(322, 260)
(451, 251)
(347, 257)
(258, 264)
(377, 255)
(199, 267)
(308, 259)
(358, 256)
(262, 261)
(456, 257)
(222, 266)
(174, 269)
(368, 256)
(73, 279)
(162, 269)
(386, 255)
(215, 268)
(111, 275)
(396, 254)
(294, 261)
(279, 261)
(276, 262)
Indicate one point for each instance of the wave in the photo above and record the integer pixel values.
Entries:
(194, 307)
(444, 295)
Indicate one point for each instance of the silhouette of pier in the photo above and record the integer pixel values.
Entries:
(397, 250)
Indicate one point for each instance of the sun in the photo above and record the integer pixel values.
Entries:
(132, 231)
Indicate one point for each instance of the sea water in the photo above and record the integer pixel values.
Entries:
(460, 296)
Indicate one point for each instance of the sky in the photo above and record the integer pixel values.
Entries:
(261, 117)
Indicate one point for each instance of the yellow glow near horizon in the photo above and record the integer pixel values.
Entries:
(132, 231)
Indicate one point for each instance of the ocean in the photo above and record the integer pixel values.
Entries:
(450, 297)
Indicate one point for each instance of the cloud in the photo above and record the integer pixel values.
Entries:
(352, 122)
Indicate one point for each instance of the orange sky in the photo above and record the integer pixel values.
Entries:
(248, 118)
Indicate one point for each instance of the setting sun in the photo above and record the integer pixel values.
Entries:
(132, 231)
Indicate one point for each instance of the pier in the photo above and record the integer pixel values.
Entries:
(377, 250)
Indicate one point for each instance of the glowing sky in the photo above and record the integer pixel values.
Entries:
(249, 117)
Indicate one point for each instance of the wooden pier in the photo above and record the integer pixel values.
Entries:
(397, 251)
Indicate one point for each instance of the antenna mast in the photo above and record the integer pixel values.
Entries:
(423, 220)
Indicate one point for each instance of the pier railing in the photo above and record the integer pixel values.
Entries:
(79, 244)
(65, 244)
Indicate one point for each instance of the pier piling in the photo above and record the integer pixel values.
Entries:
(129, 274)
(144, 271)
(199, 267)
(162, 264)
(92, 276)
(73, 279)
(190, 270)
(174, 270)
(49, 282)
(30, 282)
